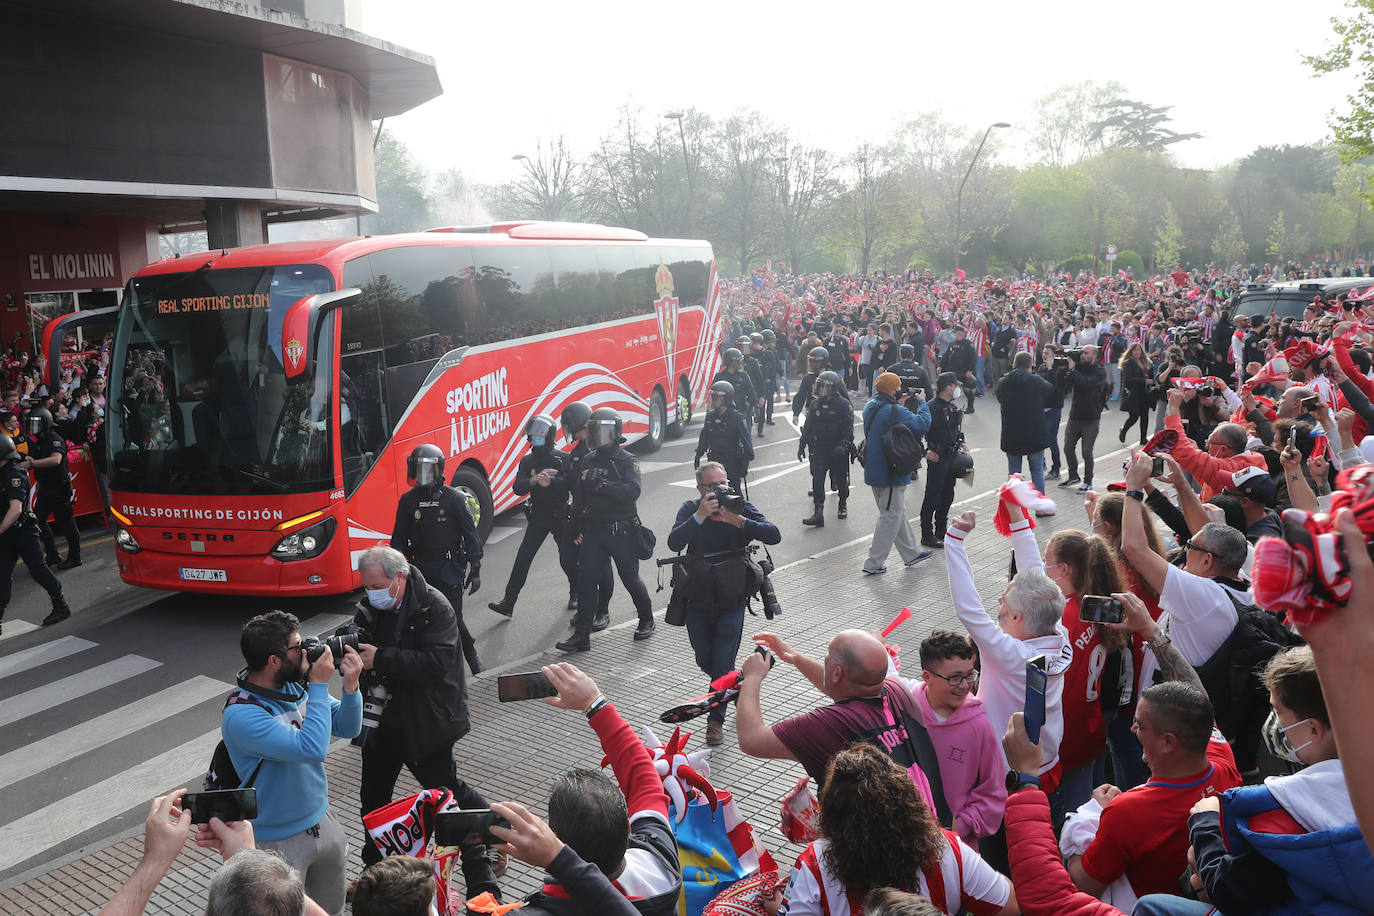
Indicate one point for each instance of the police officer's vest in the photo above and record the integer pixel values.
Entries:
(829, 421)
(722, 434)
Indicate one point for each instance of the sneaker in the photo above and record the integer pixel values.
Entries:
(968, 410)
(715, 733)
(924, 554)
(499, 861)
(1087, 487)
(875, 572)
(1071, 481)
(1053, 475)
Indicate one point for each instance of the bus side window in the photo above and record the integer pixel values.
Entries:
(515, 286)
(690, 272)
(579, 298)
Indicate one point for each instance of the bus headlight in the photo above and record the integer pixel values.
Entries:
(126, 541)
(306, 543)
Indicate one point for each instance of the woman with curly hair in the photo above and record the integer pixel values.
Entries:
(876, 831)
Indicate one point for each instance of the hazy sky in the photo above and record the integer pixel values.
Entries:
(841, 73)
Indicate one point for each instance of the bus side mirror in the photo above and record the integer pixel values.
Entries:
(300, 327)
(55, 331)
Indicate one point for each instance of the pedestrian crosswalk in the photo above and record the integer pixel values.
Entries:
(88, 735)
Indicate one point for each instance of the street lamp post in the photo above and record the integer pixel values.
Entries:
(687, 167)
(959, 203)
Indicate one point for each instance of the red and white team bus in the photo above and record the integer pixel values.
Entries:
(264, 399)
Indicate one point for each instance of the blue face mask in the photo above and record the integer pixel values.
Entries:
(538, 441)
(380, 598)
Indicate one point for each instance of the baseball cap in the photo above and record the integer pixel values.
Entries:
(1255, 484)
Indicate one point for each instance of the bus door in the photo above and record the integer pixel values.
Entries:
(364, 425)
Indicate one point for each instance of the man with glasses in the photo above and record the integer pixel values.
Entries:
(1200, 599)
(277, 727)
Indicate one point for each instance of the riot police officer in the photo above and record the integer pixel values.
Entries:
(436, 532)
(732, 371)
(816, 361)
(754, 369)
(767, 362)
(725, 436)
(542, 478)
(605, 518)
(574, 422)
(911, 372)
(48, 458)
(19, 537)
(944, 440)
(829, 436)
(777, 361)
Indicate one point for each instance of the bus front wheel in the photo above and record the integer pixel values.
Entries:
(658, 422)
(682, 411)
(474, 488)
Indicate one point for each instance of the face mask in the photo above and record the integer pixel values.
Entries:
(538, 441)
(380, 598)
(1276, 738)
(100, 411)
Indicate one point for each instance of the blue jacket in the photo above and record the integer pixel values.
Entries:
(292, 742)
(879, 414)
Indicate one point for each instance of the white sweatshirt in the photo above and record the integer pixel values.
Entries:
(1002, 687)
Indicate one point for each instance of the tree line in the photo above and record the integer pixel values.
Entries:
(1102, 173)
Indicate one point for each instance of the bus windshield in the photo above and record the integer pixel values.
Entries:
(200, 403)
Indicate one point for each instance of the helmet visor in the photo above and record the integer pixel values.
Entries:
(600, 433)
(35, 425)
(426, 472)
(824, 388)
(719, 399)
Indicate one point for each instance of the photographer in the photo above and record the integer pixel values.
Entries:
(1088, 381)
(276, 727)
(891, 406)
(720, 521)
(410, 648)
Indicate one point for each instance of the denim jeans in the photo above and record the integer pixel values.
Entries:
(1037, 468)
(1051, 434)
(1170, 905)
(980, 367)
(715, 640)
(1127, 764)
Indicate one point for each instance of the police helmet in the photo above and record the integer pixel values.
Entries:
(907, 351)
(603, 428)
(425, 465)
(541, 431)
(742, 340)
(961, 465)
(768, 335)
(722, 395)
(817, 359)
(574, 417)
(7, 449)
(827, 384)
(734, 358)
(945, 380)
(756, 339)
(40, 421)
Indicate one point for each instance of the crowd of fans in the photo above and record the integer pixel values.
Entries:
(1199, 755)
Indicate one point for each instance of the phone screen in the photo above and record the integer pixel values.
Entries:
(225, 804)
(511, 688)
(1036, 680)
(1100, 609)
(454, 828)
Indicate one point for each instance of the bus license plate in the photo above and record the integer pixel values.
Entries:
(204, 575)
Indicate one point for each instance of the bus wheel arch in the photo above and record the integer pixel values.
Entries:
(470, 480)
(683, 412)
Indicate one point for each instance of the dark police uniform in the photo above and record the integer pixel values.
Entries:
(606, 587)
(961, 360)
(769, 369)
(725, 438)
(603, 513)
(842, 359)
(944, 438)
(828, 434)
(546, 513)
(54, 497)
(746, 396)
(802, 399)
(21, 540)
(435, 532)
(913, 375)
(753, 368)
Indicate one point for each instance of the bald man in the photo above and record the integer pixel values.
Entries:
(868, 706)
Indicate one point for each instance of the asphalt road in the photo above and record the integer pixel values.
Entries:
(96, 712)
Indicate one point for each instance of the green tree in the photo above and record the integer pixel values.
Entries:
(1228, 245)
(1354, 47)
(1134, 125)
(1168, 240)
(403, 202)
(1278, 239)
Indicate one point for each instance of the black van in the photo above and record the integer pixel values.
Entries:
(1288, 298)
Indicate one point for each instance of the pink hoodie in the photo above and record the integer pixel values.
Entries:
(970, 765)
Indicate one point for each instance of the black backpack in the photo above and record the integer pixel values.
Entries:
(222, 774)
(1233, 676)
(902, 447)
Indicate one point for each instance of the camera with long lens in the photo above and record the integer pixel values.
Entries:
(767, 595)
(1207, 391)
(1060, 362)
(348, 635)
(728, 497)
(375, 698)
(1075, 354)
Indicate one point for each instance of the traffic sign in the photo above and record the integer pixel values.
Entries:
(1111, 251)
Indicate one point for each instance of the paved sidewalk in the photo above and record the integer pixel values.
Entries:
(515, 748)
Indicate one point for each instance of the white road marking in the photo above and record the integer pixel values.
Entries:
(42, 654)
(501, 532)
(33, 834)
(17, 628)
(41, 699)
(66, 745)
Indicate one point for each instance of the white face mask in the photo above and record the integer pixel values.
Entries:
(381, 598)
